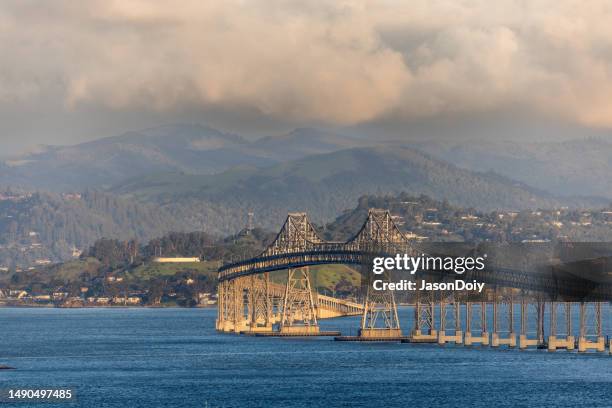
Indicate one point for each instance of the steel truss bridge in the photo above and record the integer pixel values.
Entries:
(250, 303)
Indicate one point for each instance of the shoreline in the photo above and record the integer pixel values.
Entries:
(106, 307)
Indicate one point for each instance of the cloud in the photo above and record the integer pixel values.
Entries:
(333, 62)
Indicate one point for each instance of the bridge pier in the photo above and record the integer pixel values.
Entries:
(555, 340)
(587, 332)
(379, 320)
(457, 336)
(259, 303)
(299, 313)
(231, 311)
(424, 330)
(496, 339)
(524, 340)
(479, 320)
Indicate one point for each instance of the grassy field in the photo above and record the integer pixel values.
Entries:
(71, 270)
(324, 276)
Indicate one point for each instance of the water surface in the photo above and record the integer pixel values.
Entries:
(174, 358)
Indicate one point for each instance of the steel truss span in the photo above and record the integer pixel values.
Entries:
(298, 245)
(250, 303)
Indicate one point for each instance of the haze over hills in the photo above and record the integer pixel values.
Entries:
(193, 149)
(573, 167)
(325, 184)
(105, 161)
(192, 177)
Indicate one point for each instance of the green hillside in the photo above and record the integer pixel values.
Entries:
(48, 225)
(326, 184)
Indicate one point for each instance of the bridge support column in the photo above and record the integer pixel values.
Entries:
(424, 330)
(524, 340)
(496, 338)
(591, 327)
(221, 308)
(556, 340)
(479, 321)
(299, 313)
(379, 319)
(260, 305)
(446, 325)
(231, 313)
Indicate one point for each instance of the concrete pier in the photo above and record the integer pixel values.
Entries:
(419, 337)
(598, 345)
(509, 341)
(566, 343)
(456, 338)
(483, 339)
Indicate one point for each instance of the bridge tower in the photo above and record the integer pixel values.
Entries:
(299, 311)
(379, 234)
(591, 328)
(296, 235)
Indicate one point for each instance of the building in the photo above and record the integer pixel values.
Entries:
(175, 260)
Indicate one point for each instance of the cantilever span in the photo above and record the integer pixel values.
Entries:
(298, 244)
(249, 302)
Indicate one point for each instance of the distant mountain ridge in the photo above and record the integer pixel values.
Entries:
(102, 162)
(189, 148)
(325, 184)
(565, 168)
(574, 167)
(187, 177)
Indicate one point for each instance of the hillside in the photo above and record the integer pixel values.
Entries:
(326, 184)
(46, 226)
(193, 149)
(575, 167)
(106, 161)
(112, 267)
(300, 143)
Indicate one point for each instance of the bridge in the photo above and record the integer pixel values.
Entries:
(250, 303)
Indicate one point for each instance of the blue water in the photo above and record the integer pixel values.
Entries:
(174, 358)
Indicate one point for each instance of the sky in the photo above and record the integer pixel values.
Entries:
(75, 71)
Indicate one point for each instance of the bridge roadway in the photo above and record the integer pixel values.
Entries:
(550, 282)
(298, 245)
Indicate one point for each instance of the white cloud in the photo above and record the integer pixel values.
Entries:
(337, 62)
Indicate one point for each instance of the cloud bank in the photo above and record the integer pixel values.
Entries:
(333, 62)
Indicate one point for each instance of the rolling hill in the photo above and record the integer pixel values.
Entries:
(193, 149)
(326, 184)
(47, 225)
(573, 167)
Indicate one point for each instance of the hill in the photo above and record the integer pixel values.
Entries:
(106, 161)
(324, 185)
(46, 226)
(188, 148)
(574, 167)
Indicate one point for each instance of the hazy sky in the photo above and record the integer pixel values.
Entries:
(75, 70)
